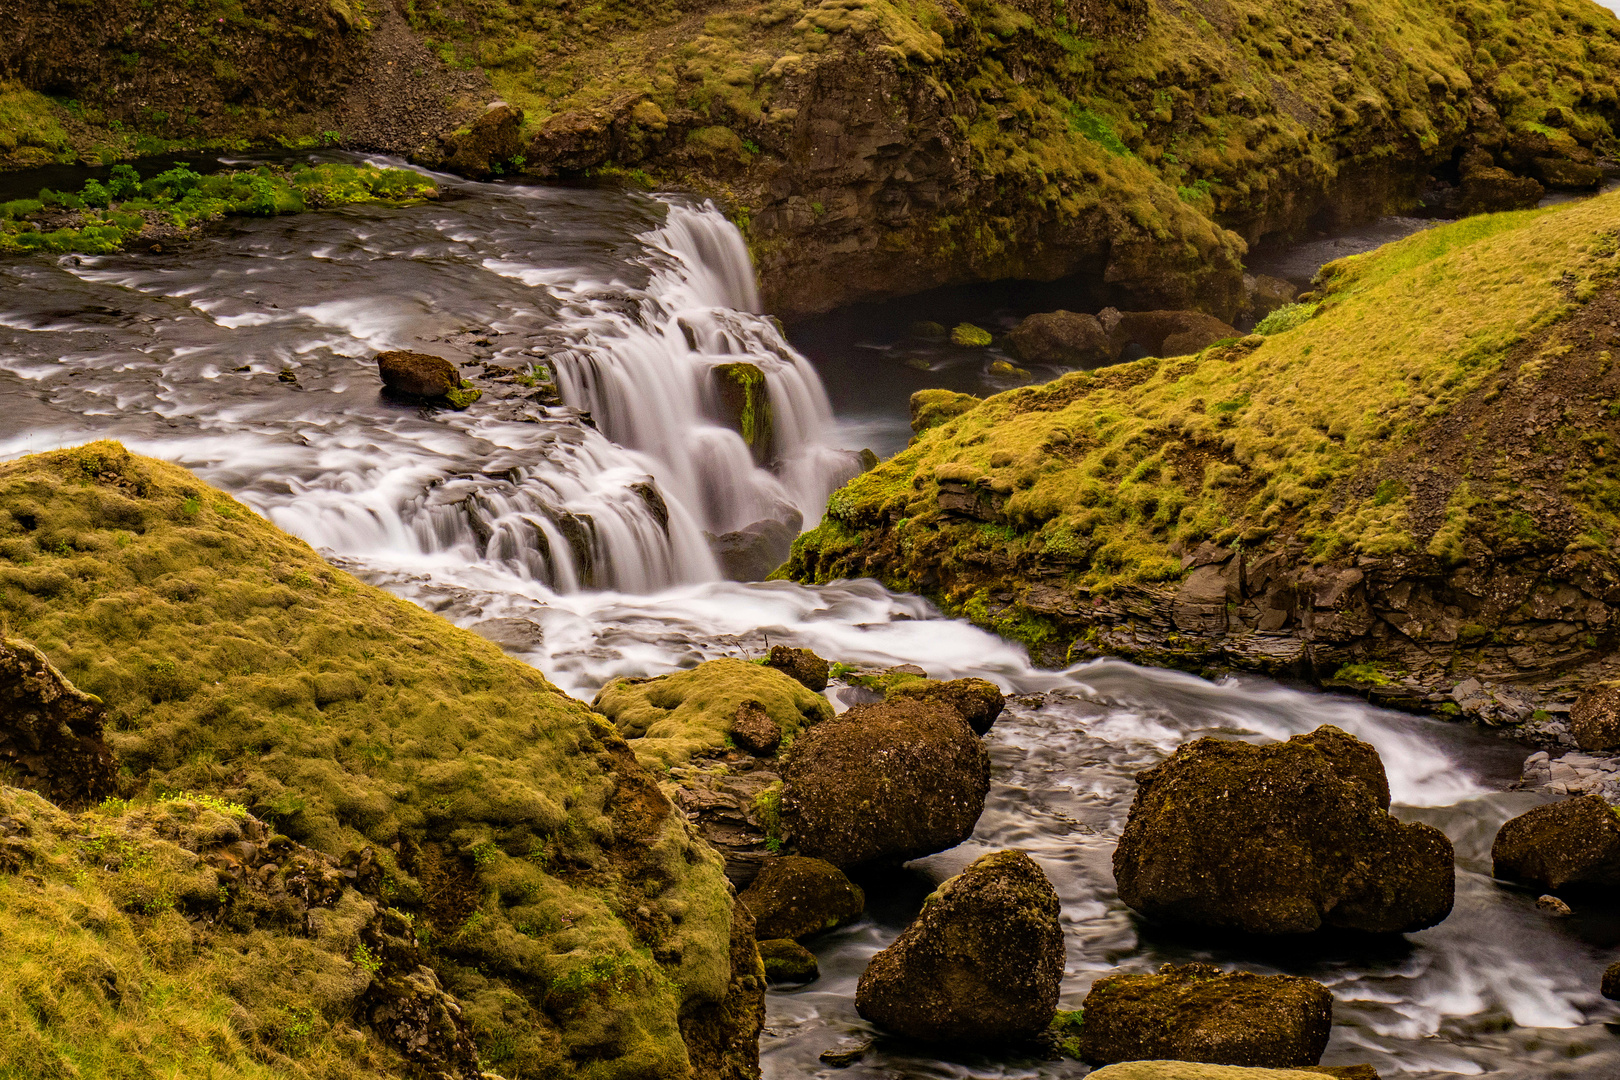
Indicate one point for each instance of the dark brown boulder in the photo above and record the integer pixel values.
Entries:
(786, 961)
(1594, 719)
(1567, 174)
(886, 782)
(795, 897)
(1280, 839)
(1487, 188)
(1197, 1012)
(802, 664)
(981, 963)
(1571, 843)
(1169, 333)
(1062, 337)
(421, 377)
(978, 701)
(1265, 294)
(51, 731)
(1611, 982)
(488, 145)
(753, 730)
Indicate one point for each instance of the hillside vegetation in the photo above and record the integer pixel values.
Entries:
(1442, 410)
(512, 838)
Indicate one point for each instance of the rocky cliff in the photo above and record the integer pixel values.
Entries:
(340, 834)
(871, 149)
(1412, 491)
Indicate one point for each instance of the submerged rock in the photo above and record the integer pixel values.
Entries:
(980, 963)
(786, 961)
(1062, 337)
(801, 664)
(421, 377)
(977, 701)
(752, 552)
(968, 336)
(1571, 843)
(1197, 1012)
(795, 897)
(51, 732)
(885, 782)
(1305, 841)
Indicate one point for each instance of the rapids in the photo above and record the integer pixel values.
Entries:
(247, 356)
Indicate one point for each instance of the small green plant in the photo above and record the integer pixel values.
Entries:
(768, 810)
(1065, 1032)
(365, 958)
(210, 802)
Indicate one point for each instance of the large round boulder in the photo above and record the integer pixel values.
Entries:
(1197, 1012)
(980, 963)
(885, 782)
(978, 701)
(1062, 337)
(1571, 843)
(1280, 839)
(795, 897)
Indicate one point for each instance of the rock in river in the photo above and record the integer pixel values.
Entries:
(1571, 843)
(1197, 1012)
(1063, 337)
(980, 963)
(786, 961)
(978, 701)
(795, 897)
(885, 782)
(801, 664)
(1280, 839)
(421, 377)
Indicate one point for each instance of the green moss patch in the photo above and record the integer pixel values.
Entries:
(561, 900)
(105, 217)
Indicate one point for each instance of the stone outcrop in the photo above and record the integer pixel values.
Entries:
(1197, 1012)
(796, 897)
(1574, 843)
(1573, 774)
(884, 782)
(1306, 841)
(981, 963)
(1487, 188)
(801, 664)
(977, 701)
(1164, 333)
(488, 145)
(745, 406)
(1064, 338)
(418, 376)
(51, 732)
(754, 551)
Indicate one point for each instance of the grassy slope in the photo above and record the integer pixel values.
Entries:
(1107, 477)
(573, 917)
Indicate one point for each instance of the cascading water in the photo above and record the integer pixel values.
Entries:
(248, 357)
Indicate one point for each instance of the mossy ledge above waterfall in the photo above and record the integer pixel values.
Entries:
(867, 148)
(1414, 492)
(502, 835)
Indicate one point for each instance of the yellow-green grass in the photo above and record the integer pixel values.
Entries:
(572, 917)
(673, 718)
(1114, 473)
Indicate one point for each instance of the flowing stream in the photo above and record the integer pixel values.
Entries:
(248, 357)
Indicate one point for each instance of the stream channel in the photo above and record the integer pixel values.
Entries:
(247, 357)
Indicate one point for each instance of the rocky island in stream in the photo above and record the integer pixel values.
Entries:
(787, 539)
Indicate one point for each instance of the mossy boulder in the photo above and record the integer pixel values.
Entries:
(968, 336)
(884, 783)
(796, 897)
(1197, 1012)
(1062, 337)
(745, 405)
(981, 963)
(930, 408)
(802, 664)
(487, 146)
(561, 899)
(1168, 333)
(421, 377)
(52, 737)
(977, 701)
(1307, 841)
(1570, 844)
(786, 961)
(672, 717)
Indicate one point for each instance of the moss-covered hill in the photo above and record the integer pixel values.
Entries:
(870, 147)
(1413, 481)
(551, 889)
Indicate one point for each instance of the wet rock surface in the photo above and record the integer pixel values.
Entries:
(981, 963)
(797, 897)
(1570, 844)
(422, 377)
(1197, 1012)
(786, 961)
(884, 782)
(801, 664)
(752, 552)
(1306, 841)
(51, 732)
(977, 701)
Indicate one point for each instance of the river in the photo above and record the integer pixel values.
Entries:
(247, 357)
